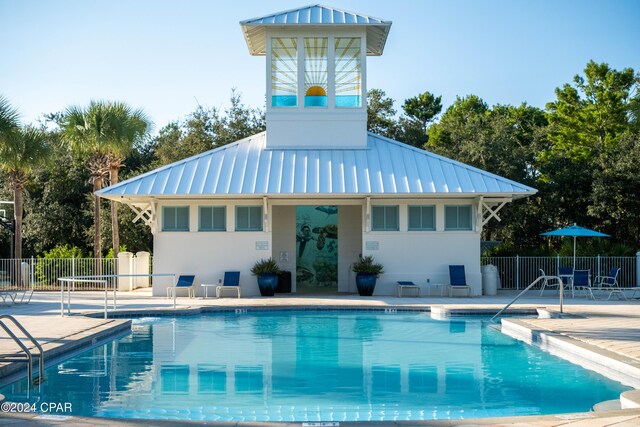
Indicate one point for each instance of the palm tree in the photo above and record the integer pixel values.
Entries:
(102, 133)
(24, 149)
(8, 126)
(130, 126)
(8, 119)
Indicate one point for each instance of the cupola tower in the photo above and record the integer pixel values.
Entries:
(316, 74)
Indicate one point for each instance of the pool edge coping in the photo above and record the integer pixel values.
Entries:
(612, 365)
(63, 346)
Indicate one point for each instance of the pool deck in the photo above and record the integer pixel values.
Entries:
(602, 333)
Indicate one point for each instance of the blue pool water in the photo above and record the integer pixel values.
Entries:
(317, 366)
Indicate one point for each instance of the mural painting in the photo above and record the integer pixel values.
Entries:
(317, 248)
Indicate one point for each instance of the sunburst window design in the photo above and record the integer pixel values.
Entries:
(284, 72)
(348, 72)
(315, 71)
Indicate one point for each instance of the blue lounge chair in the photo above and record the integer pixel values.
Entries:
(610, 282)
(231, 281)
(184, 282)
(458, 279)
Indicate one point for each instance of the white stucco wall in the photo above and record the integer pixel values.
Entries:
(284, 241)
(418, 255)
(209, 254)
(349, 245)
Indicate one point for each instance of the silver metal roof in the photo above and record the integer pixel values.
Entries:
(248, 168)
(315, 15)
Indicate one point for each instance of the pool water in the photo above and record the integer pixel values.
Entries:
(317, 366)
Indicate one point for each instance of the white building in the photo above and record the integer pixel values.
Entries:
(316, 190)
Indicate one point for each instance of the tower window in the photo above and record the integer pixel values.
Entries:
(284, 72)
(315, 71)
(348, 72)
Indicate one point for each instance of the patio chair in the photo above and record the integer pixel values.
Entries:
(611, 282)
(566, 275)
(231, 281)
(184, 282)
(547, 281)
(582, 281)
(458, 279)
(11, 294)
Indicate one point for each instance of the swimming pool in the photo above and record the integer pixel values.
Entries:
(317, 366)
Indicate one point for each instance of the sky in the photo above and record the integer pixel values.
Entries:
(169, 56)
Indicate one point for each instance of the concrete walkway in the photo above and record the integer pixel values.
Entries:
(608, 329)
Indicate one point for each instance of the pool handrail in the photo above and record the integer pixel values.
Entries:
(531, 285)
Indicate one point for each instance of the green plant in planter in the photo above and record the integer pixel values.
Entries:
(366, 265)
(265, 266)
(267, 271)
(367, 272)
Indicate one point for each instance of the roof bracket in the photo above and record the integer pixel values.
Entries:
(145, 213)
(490, 209)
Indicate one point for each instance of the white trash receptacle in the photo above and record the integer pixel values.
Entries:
(489, 279)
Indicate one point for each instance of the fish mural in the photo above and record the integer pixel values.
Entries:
(329, 210)
(316, 264)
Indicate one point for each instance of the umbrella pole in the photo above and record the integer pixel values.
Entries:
(574, 252)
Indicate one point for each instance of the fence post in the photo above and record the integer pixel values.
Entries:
(32, 273)
(598, 264)
(518, 272)
(638, 269)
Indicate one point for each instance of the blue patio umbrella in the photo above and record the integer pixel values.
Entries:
(575, 231)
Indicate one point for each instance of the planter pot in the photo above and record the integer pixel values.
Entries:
(366, 283)
(267, 283)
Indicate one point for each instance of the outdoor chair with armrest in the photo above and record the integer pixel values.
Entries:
(11, 294)
(184, 282)
(547, 281)
(610, 282)
(231, 281)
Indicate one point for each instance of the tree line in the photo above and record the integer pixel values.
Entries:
(582, 153)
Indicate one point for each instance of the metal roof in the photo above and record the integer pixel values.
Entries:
(315, 15)
(247, 168)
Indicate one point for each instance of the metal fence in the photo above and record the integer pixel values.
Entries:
(518, 272)
(43, 273)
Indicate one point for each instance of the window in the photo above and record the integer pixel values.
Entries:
(384, 218)
(315, 71)
(248, 218)
(284, 72)
(348, 72)
(212, 218)
(175, 218)
(457, 217)
(422, 218)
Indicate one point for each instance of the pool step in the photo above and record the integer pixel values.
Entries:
(607, 405)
